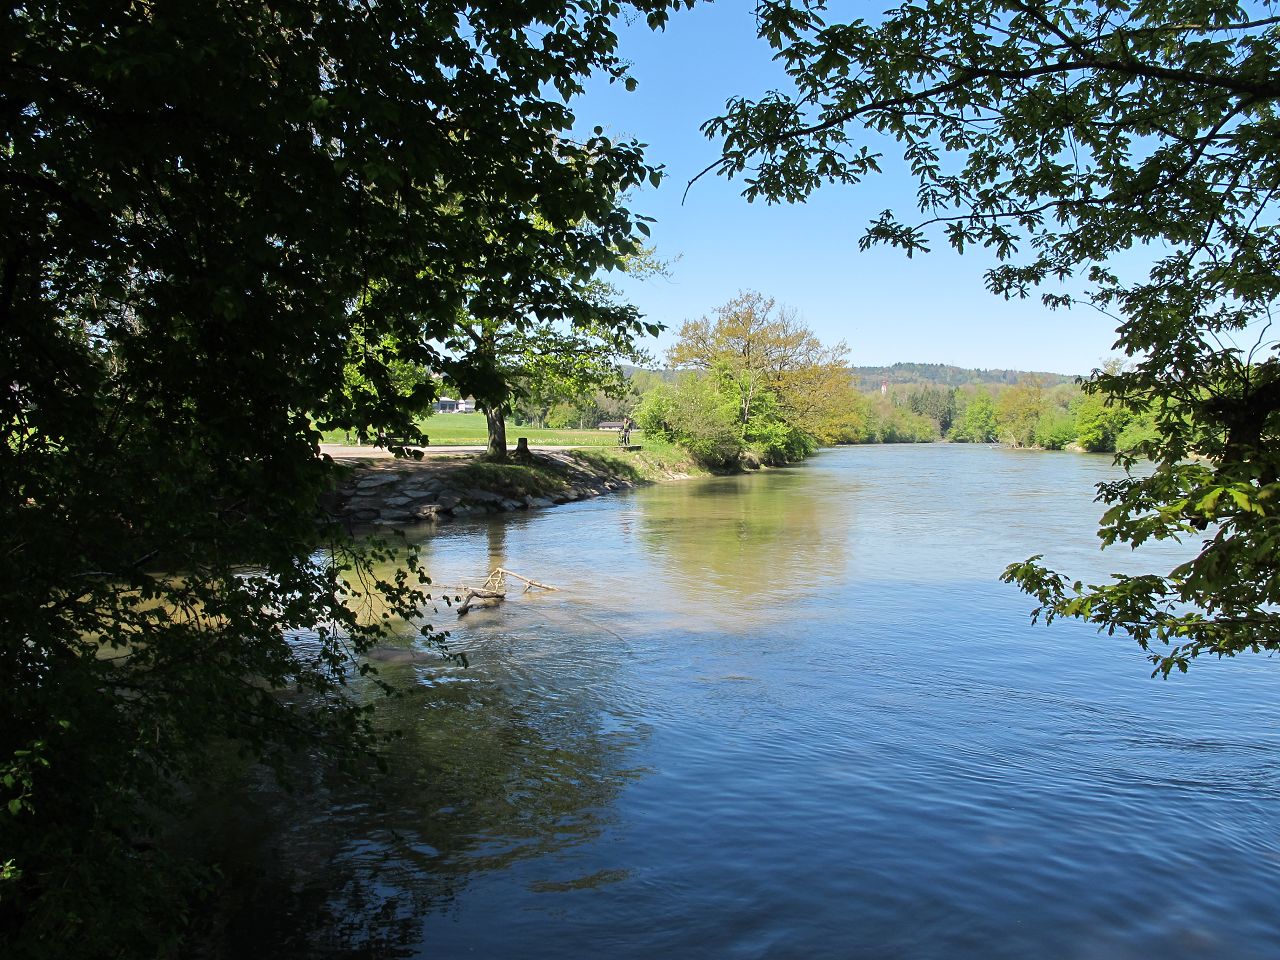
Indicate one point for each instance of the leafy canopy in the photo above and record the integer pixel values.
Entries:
(758, 381)
(521, 357)
(758, 346)
(1129, 148)
(220, 225)
(976, 422)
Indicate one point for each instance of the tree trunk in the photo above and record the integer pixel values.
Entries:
(496, 417)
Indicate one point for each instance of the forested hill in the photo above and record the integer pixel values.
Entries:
(942, 374)
(933, 374)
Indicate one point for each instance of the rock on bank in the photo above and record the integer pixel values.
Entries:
(397, 493)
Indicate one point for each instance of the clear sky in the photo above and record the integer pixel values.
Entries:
(931, 309)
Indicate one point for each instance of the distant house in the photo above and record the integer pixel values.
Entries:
(616, 425)
(449, 405)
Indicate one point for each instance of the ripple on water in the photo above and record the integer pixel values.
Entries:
(796, 715)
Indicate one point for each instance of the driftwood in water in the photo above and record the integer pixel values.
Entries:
(530, 584)
(479, 596)
(494, 590)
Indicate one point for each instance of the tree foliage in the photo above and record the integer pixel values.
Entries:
(976, 422)
(699, 415)
(523, 356)
(221, 224)
(759, 347)
(1099, 423)
(1130, 148)
(1018, 411)
(937, 404)
(787, 389)
(890, 422)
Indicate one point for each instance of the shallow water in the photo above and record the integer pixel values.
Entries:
(792, 715)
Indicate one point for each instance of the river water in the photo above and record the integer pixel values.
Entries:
(793, 714)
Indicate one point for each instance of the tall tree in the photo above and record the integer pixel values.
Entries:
(936, 403)
(503, 363)
(1059, 134)
(1018, 410)
(787, 389)
(976, 422)
(527, 354)
(210, 214)
(758, 346)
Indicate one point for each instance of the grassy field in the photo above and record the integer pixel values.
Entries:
(655, 460)
(468, 429)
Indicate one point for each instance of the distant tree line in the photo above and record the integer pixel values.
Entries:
(751, 385)
(1028, 414)
(703, 410)
(946, 375)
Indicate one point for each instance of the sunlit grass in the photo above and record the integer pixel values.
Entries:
(655, 460)
(469, 429)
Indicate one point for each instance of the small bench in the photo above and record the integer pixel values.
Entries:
(387, 442)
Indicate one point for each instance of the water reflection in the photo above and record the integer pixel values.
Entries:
(496, 536)
(510, 759)
(743, 547)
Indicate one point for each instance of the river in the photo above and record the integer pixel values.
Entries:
(793, 714)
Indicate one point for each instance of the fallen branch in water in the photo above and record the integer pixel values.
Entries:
(479, 595)
(495, 590)
(530, 583)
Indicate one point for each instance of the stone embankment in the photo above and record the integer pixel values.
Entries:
(398, 493)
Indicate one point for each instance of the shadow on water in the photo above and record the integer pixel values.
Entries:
(495, 764)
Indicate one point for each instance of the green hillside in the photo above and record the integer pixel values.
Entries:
(945, 375)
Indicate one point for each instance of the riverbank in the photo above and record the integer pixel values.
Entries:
(378, 491)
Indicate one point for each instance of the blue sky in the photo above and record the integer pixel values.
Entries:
(930, 309)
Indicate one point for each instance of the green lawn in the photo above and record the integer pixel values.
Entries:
(468, 429)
